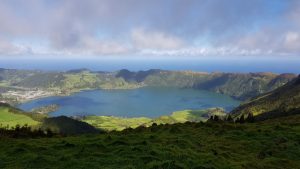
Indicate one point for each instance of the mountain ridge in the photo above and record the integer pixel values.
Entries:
(282, 101)
(241, 86)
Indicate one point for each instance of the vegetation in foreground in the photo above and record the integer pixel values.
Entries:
(269, 144)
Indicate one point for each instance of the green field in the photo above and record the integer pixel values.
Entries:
(269, 144)
(196, 115)
(110, 123)
(7, 118)
(115, 123)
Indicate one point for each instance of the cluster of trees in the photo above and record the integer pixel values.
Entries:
(242, 119)
(25, 132)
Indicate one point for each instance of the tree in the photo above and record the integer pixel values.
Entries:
(216, 118)
(250, 118)
(154, 125)
(229, 118)
(17, 128)
(242, 119)
(49, 132)
(39, 133)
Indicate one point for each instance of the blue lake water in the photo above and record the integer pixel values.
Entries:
(142, 102)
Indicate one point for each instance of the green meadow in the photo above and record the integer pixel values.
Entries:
(269, 144)
(8, 118)
(110, 123)
(115, 123)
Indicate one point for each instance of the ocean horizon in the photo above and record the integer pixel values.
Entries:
(205, 65)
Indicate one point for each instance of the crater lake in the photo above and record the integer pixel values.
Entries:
(141, 102)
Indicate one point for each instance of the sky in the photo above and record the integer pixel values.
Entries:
(146, 29)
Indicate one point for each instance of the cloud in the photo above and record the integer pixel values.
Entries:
(88, 45)
(177, 27)
(154, 40)
(107, 48)
(206, 51)
(292, 41)
(8, 49)
(281, 37)
(92, 46)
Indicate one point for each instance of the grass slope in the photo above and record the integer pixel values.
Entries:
(11, 119)
(197, 115)
(280, 102)
(269, 144)
(110, 123)
(66, 125)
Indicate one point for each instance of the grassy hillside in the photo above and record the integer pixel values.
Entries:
(136, 76)
(280, 102)
(197, 115)
(66, 125)
(237, 85)
(10, 117)
(41, 80)
(269, 144)
(110, 123)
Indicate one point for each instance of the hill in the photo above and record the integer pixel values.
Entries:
(245, 86)
(110, 123)
(38, 118)
(241, 86)
(268, 144)
(10, 117)
(66, 125)
(136, 76)
(280, 102)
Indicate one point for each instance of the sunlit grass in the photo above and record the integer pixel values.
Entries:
(119, 123)
(10, 119)
(269, 144)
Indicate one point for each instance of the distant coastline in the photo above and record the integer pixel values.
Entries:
(274, 65)
(19, 86)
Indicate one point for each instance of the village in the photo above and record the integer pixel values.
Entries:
(20, 96)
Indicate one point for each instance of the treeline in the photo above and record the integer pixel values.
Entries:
(68, 126)
(242, 119)
(25, 132)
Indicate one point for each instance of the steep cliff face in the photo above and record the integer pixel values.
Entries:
(282, 101)
(238, 85)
